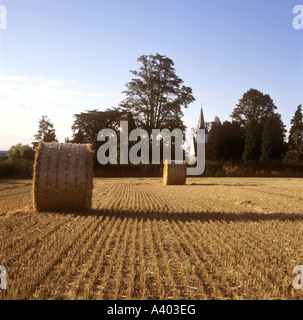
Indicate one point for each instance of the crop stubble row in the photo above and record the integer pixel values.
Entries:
(146, 241)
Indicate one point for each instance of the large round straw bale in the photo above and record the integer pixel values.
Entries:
(63, 177)
(174, 173)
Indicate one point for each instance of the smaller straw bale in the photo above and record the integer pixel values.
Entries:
(174, 173)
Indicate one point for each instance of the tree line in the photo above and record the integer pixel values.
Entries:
(155, 99)
(256, 133)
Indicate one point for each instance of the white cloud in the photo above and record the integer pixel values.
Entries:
(55, 83)
(23, 101)
(36, 90)
(22, 106)
(13, 78)
(97, 95)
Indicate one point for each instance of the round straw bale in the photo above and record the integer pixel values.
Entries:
(63, 177)
(174, 173)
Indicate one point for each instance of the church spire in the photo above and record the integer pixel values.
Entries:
(201, 123)
(201, 126)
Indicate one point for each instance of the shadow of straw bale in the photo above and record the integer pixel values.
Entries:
(222, 184)
(199, 216)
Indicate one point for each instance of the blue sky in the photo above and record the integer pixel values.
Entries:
(58, 58)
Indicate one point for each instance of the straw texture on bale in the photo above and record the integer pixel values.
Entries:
(174, 173)
(63, 177)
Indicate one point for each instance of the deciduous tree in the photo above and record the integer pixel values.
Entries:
(156, 96)
(253, 106)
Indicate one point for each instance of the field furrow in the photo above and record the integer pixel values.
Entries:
(214, 238)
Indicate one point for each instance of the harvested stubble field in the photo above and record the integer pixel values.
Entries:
(215, 238)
